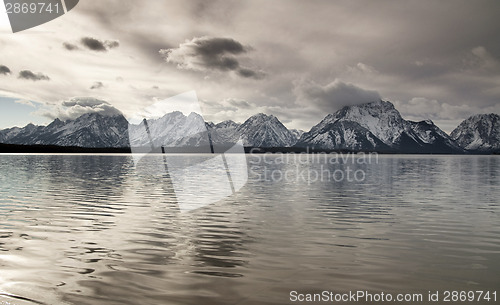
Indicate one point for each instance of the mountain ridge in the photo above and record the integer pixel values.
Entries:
(376, 126)
(479, 133)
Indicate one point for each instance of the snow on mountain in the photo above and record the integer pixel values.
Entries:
(426, 137)
(380, 118)
(89, 130)
(263, 130)
(172, 130)
(18, 133)
(377, 126)
(177, 130)
(479, 133)
(224, 132)
(343, 135)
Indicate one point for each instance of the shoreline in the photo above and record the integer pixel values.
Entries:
(54, 149)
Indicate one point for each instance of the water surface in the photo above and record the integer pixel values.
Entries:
(91, 229)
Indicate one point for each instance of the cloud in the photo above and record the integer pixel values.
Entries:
(99, 45)
(97, 85)
(481, 58)
(446, 116)
(361, 68)
(27, 74)
(420, 108)
(234, 109)
(210, 54)
(76, 107)
(110, 44)
(248, 73)
(333, 96)
(238, 103)
(69, 46)
(25, 102)
(450, 57)
(4, 70)
(93, 44)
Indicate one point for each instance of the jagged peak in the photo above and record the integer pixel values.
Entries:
(476, 119)
(480, 132)
(383, 105)
(483, 116)
(174, 113)
(96, 114)
(227, 123)
(423, 122)
(30, 126)
(375, 109)
(262, 117)
(56, 122)
(194, 114)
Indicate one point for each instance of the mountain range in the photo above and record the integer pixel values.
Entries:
(376, 126)
(91, 130)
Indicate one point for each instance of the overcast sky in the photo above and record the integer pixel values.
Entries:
(298, 60)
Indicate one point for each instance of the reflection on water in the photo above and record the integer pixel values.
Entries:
(92, 230)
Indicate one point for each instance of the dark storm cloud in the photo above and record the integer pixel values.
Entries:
(206, 53)
(4, 70)
(69, 46)
(451, 57)
(27, 74)
(97, 85)
(209, 54)
(188, 18)
(248, 73)
(334, 95)
(99, 45)
(93, 44)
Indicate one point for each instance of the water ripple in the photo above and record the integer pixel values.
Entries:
(92, 230)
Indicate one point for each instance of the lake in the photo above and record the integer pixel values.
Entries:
(96, 229)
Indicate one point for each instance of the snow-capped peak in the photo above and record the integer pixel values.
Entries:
(479, 133)
(376, 126)
(262, 130)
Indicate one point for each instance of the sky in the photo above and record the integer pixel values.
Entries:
(298, 60)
